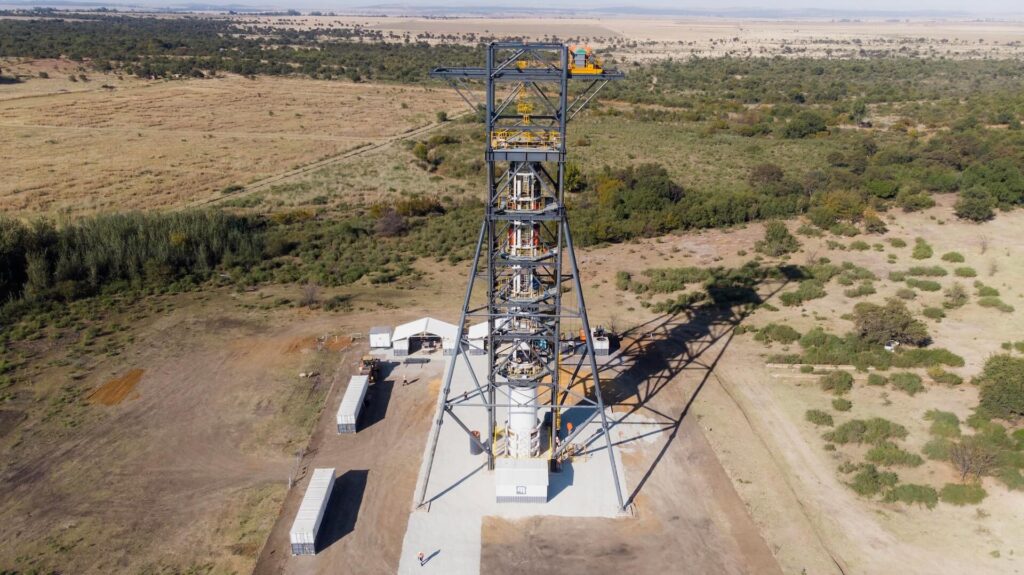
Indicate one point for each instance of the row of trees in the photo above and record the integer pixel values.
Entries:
(190, 46)
(42, 262)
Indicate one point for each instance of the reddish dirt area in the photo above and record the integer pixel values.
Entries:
(116, 390)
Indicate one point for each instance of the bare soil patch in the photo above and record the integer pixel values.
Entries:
(116, 390)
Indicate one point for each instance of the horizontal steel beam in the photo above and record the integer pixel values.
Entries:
(514, 74)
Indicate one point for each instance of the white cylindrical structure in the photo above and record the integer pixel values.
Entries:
(523, 438)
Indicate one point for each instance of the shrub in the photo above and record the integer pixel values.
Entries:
(818, 417)
(953, 257)
(986, 291)
(908, 358)
(922, 250)
(777, 240)
(838, 382)
(927, 271)
(869, 481)
(906, 293)
(806, 290)
(806, 369)
(893, 321)
(1002, 387)
(897, 242)
(956, 494)
(934, 313)
(975, 204)
(965, 272)
(669, 280)
(955, 296)
(805, 124)
(622, 280)
(860, 246)
(864, 289)
(873, 431)
(975, 456)
(775, 332)
(924, 285)
(991, 301)
(909, 383)
(877, 379)
(889, 454)
(840, 404)
(910, 493)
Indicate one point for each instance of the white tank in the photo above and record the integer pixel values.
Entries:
(523, 424)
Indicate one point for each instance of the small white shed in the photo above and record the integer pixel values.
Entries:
(311, 512)
(352, 403)
(521, 480)
(380, 337)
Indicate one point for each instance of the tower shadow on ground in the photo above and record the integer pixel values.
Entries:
(654, 353)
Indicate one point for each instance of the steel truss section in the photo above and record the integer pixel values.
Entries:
(525, 260)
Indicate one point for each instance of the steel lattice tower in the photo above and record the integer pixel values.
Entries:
(526, 251)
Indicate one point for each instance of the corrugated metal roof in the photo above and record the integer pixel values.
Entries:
(429, 325)
(314, 503)
(352, 401)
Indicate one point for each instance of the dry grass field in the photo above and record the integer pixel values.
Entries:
(644, 39)
(145, 145)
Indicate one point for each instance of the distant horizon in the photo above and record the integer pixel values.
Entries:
(910, 10)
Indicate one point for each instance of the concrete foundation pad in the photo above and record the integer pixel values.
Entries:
(461, 490)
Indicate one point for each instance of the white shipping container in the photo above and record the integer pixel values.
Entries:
(352, 403)
(311, 512)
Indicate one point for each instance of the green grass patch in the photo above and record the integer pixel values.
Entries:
(939, 375)
(869, 481)
(837, 382)
(889, 454)
(995, 302)
(865, 289)
(923, 285)
(953, 257)
(777, 332)
(909, 383)
(912, 494)
(927, 271)
(943, 423)
(806, 290)
(840, 404)
(965, 272)
(922, 250)
(962, 494)
(819, 417)
(873, 431)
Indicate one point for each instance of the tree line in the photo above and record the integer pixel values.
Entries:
(192, 46)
